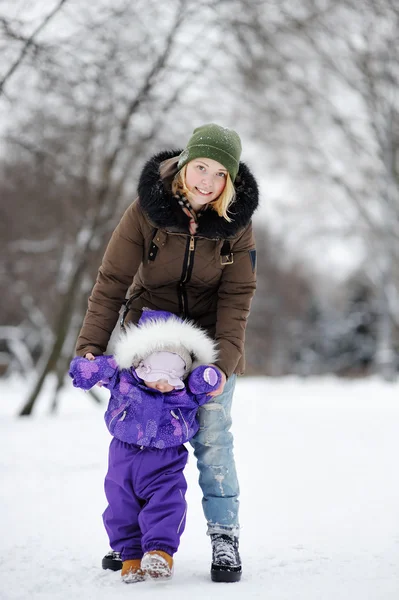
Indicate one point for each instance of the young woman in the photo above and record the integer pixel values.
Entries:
(186, 246)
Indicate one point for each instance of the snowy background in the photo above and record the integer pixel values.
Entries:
(317, 462)
(89, 91)
(312, 88)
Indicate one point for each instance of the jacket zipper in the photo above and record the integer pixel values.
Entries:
(186, 274)
(122, 410)
(181, 414)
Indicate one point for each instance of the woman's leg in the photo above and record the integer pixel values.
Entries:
(213, 448)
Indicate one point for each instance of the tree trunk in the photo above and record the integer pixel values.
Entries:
(385, 356)
(61, 331)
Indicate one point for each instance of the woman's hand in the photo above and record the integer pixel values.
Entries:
(222, 383)
(91, 356)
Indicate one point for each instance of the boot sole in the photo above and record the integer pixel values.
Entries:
(156, 567)
(112, 564)
(222, 576)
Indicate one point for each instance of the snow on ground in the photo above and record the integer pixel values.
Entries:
(317, 461)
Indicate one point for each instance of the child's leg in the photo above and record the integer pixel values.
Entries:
(121, 515)
(162, 482)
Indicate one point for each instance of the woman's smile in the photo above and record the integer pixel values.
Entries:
(203, 192)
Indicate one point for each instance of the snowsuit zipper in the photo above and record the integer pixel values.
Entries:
(181, 414)
(121, 410)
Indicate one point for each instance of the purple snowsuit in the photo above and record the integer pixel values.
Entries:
(145, 485)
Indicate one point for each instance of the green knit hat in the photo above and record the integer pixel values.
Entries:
(216, 142)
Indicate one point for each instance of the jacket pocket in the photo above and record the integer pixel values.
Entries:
(125, 308)
(116, 416)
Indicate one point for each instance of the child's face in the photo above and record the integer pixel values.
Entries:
(161, 385)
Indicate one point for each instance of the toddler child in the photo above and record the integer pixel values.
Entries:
(159, 374)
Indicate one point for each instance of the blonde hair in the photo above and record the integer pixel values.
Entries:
(220, 205)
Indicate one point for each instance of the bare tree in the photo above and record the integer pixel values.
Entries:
(88, 122)
(96, 223)
(325, 81)
(27, 43)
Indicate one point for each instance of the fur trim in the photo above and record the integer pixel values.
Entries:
(157, 335)
(163, 210)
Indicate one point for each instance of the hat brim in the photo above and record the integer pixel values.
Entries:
(156, 375)
(207, 151)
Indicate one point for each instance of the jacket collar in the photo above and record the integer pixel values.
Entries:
(163, 210)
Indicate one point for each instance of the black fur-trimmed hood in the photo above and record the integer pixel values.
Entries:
(164, 211)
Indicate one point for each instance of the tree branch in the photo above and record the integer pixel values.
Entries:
(29, 42)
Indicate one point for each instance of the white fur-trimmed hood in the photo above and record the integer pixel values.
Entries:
(157, 335)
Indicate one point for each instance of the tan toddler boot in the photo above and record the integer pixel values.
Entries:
(131, 571)
(157, 564)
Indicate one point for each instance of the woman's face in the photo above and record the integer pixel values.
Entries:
(205, 179)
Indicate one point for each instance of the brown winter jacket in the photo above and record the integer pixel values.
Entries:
(151, 258)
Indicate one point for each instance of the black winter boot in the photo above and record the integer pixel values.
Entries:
(226, 562)
(112, 561)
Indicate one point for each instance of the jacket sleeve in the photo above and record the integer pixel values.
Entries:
(86, 373)
(202, 380)
(235, 295)
(120, 263)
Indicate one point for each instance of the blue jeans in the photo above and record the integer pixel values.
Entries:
(213, 449)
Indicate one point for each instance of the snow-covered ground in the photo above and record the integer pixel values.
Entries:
(318, 465)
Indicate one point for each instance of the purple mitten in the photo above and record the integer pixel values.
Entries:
(204, 379)
(86, 373)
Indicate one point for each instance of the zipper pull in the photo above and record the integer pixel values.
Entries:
(192, 243)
